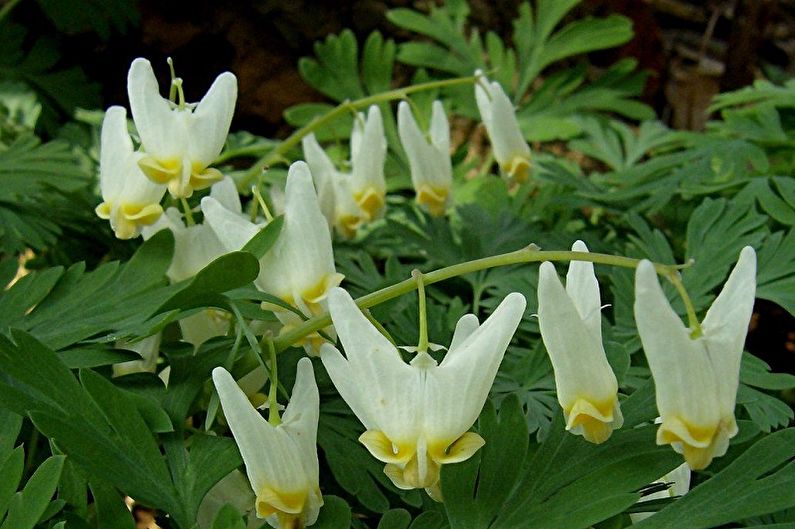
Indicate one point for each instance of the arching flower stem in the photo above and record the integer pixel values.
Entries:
(529, 254)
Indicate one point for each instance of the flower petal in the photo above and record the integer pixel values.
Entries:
(209, 123)
(389, 389)
(684, 377)
(456, 390)
(231, 229)
(726, 325)
(161, 131)
(583, 289)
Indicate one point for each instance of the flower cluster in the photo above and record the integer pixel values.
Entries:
(416, 415)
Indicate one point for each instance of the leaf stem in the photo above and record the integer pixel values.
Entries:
(277, 154)
(529, 254)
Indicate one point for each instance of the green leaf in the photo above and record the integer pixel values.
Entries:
(335, 72)
(210, 459)
(760, 481)
(378, 58)
(570, 482)
(111, 511)
(766, 412)
(73, 305)
(776, 270)
(335, 514)
(227, 272)
(475, 490)
(259, 245)
(11, 470)
(716, 232)
(228, 518)
(755, 372)
(28, 506)
(395, 519)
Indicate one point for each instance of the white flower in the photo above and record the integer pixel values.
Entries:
(130, 200)
(180, 140)
(349, 200)
(299, 268)
(368, 153)
(417, 415)
(571, 327)
(281, 461)
(696, 375)
(498, 115)
(431, 168)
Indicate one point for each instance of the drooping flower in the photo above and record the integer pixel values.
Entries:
(180, 140)
(417, 415)
(496, 110)
(696, 374)
(431, 168)
(299, 268)
(349, 200)
(130, 201)
(368, 153)
(281, 461)
(571, 327)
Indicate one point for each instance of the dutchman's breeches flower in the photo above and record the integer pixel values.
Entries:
(417, 415)
(431, 168)
(130, 201)
(180, 140)
(571, 327)
(496, 110)
(299, 268)
(696, 371)
(281, 461)
(368, 153)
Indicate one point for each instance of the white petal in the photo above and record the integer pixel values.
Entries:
(456, 390)
(388, 387)
(209, 124)
(583, 289)
(683, 375)
(576, 351)
(430, 164)
(302, 414)
(194, 248)
(726, 325)
(323, 174)
(305, 231)
(226, 193)
(506, 138)
(440, 128)
(162, 133)
(115, 151)
(230, 228)
(467, 324)
(252, 432)
(368, 156)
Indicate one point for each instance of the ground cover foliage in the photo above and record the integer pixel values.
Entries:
(75, 440)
